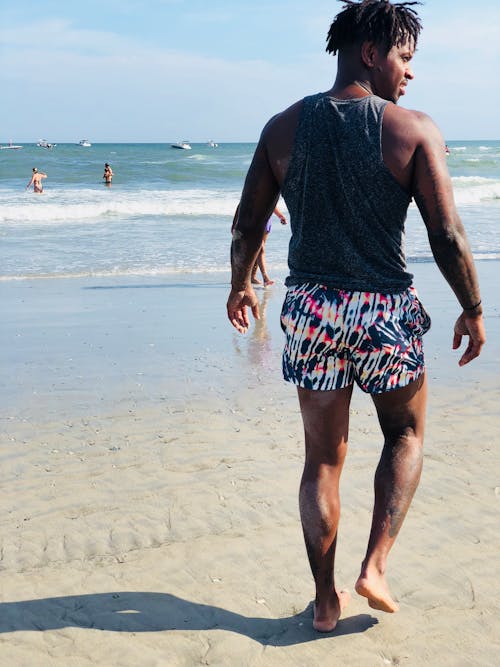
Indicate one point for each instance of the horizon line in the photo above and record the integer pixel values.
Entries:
(170, 142)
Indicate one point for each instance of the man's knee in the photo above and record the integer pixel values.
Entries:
(406, 436)
(401, 412)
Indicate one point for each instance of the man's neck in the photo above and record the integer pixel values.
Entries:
(352, 89)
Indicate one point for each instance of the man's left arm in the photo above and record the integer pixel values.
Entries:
(433, 192)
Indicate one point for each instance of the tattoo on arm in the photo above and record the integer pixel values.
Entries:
(449, 245)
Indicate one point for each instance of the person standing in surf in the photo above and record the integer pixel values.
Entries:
(260, 262)
(108, 174)
(36, 181)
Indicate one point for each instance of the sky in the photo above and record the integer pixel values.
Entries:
(168, 70)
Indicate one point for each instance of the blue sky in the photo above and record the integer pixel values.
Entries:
(164, 70)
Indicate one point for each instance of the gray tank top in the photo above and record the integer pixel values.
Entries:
(347, 211)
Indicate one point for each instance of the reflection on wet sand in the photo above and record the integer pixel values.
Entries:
(260, 351)
(260, 347)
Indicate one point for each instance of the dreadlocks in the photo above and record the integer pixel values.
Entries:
(378, 21)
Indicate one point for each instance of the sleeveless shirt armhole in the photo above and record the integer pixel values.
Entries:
(298, 138)
(381, 153)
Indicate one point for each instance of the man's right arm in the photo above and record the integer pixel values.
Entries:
(259, 197)
(433, 193)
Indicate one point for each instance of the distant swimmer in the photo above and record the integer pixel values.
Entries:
(108, 174)
(36, 181)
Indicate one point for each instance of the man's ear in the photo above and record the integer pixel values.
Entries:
(368, 54)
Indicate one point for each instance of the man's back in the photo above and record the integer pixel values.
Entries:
(403, 131)
(347, 210)
(412, 149)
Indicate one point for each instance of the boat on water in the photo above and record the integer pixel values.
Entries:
(43, 143)
(212, 144)
(85, 143)
(183, 145)
(11, 146)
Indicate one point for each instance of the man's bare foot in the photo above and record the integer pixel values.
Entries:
(374, 587)
(256, 281)
(268, 282)
(326, 619)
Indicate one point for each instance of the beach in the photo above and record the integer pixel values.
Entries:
(151, 458)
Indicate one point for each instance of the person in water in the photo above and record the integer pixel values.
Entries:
(108, 174)
(260, 262)
(36, 181)
(348, 162)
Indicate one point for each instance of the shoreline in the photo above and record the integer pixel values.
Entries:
(151, 460)
(91, 341)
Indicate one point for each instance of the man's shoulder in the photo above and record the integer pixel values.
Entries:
(283, 120)
(403, 115)
(409, 121)
(280, 129)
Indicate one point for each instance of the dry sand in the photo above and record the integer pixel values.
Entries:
(150, 465)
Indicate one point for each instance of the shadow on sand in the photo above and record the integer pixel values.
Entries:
(155, 612)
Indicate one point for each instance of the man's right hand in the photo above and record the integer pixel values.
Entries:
(474, 328)
(237, 305)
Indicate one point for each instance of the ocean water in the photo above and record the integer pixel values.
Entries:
(170, 211)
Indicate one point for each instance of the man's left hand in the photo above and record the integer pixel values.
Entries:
(473, 327)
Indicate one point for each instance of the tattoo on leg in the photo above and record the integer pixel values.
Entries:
(396, 518)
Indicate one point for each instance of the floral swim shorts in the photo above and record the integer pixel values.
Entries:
(335, 337)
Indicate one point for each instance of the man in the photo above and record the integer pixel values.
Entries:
(36, 181)
(347, 163)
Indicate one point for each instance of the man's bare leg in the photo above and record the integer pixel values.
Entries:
(325, 415)
(401, 415)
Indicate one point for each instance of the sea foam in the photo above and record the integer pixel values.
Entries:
(65, 207)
